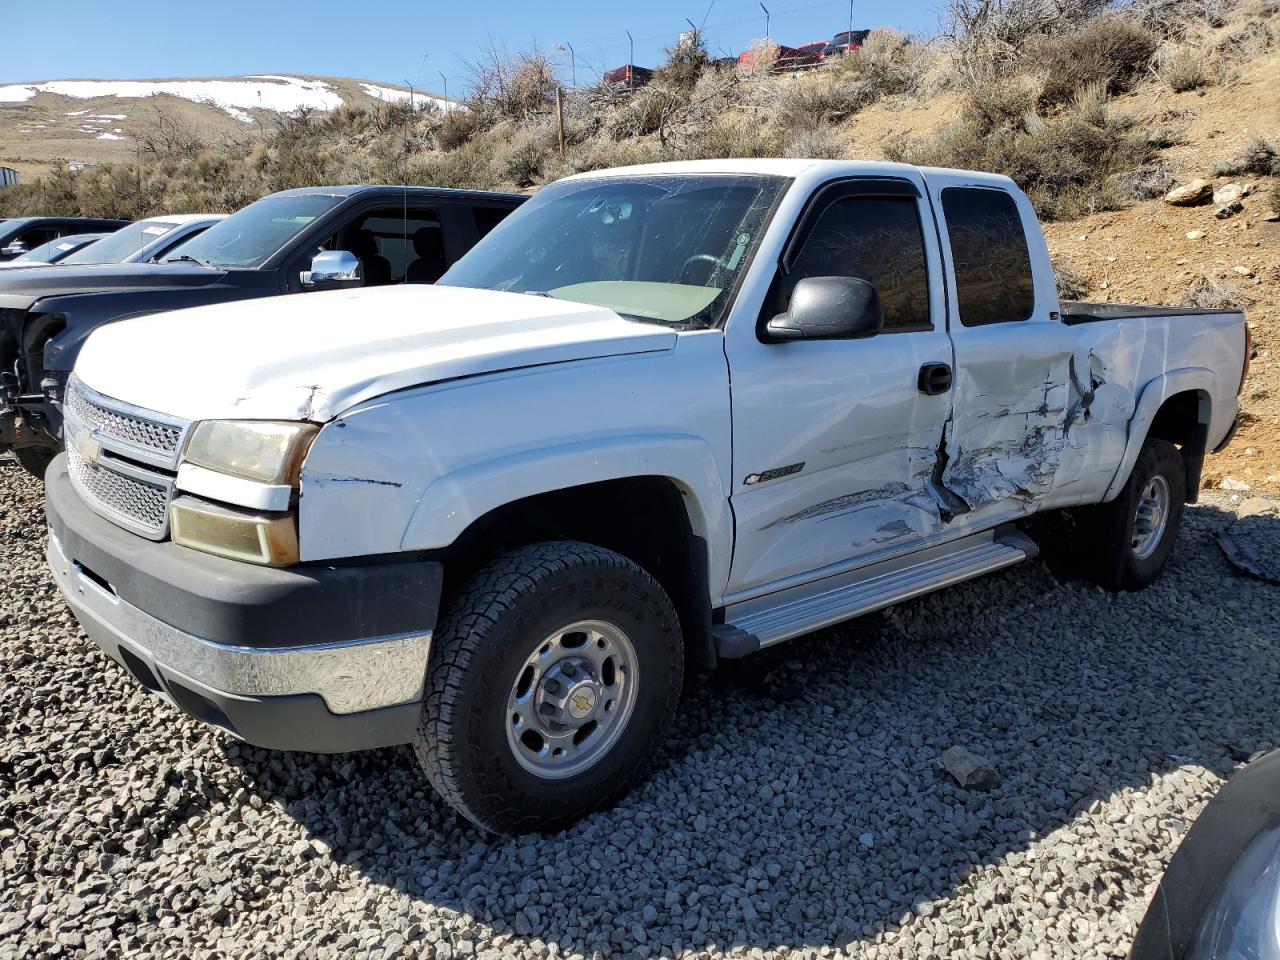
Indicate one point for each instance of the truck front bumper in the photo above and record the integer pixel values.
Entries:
(322, 659)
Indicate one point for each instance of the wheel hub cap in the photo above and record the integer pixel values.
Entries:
(572, 699)
(1150, 517)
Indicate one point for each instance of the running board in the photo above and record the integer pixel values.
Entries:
(764, 621)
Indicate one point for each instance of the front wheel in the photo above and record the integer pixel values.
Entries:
(550, 684)
(1127, 543)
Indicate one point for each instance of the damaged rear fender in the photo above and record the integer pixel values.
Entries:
(1198, 380)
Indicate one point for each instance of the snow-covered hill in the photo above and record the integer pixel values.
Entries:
(236, 96)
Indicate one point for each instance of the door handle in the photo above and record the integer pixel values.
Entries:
(935, 378)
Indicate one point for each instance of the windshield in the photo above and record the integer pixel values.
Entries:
(55, 250)
(664, 248)
(124, 243)
(246, 240)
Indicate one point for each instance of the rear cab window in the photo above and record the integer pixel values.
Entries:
(989, 255)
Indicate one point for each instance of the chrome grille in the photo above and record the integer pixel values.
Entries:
(137, 504)
(162, 438)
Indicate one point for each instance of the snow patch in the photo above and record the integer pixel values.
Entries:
(110, 136)
(235, 96)
(391, 94)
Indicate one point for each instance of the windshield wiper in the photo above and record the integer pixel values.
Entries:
(188, 258)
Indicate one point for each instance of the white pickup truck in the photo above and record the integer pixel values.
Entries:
(661, 416)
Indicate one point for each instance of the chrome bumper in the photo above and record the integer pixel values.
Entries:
(351, 677)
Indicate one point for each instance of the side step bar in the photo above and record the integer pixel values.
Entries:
(764, 621)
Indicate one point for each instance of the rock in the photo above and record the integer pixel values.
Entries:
(1194, 234)
(1231, 483)
(1256, 505)
(969, 770)
(1242, 271)
(1228, 210)
(1190, 194)
(1271, 216)
(1228, 193)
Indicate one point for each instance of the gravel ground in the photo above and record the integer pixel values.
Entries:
(800, 809)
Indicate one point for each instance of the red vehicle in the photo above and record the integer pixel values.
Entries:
(784, 58)
(629, 76)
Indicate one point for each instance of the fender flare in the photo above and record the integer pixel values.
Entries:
(1154, 394)
(452, 502)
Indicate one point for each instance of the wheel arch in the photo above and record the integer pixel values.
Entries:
(652, 520)
(1176, 406)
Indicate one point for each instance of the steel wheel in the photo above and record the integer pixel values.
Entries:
(1151, 517)
(572, 699)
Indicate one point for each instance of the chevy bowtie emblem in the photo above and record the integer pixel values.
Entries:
(87, 445)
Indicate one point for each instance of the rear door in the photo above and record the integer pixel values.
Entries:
(835, 441)
(1013, 356)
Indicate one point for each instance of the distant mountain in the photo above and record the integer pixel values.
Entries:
(91, 121)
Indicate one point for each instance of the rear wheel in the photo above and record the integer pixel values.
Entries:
(1126, 544)
(551, 682)
(34, 460)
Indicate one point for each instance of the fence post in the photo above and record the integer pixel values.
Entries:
(560, 119)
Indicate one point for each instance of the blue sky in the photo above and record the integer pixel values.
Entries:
(385, 40)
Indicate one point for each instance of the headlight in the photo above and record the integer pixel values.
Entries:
(266, 538)
(267, 451)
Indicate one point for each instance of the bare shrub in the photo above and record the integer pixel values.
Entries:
(1144, 183)
(686, 59)
(1110, 50)
(163, 134)
(1072, 284)
(511, 88)
(1205, 293)
(1183, 68)
(525, 156)
(457, 127)
(1174, 19)
(815, 143)
(1066, 162)
(987, 36)
(1259, 156)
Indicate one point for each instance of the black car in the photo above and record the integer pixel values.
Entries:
(387, 234)
(26, 233)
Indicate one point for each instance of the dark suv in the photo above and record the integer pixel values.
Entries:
(352, 235)
(26, 233)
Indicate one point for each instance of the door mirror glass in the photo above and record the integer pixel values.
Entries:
(828, 308)
(13, 249)
(332, 269)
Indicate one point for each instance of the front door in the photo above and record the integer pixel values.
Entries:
(836, 442)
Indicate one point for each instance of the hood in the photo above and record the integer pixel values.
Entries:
(21, 288)
(313, 355)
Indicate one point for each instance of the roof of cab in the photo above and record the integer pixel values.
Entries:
(796, 169)
(353, 189)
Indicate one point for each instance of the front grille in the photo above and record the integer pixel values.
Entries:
(136, 504)
(162, 438)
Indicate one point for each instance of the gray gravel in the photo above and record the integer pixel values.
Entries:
(802, 808)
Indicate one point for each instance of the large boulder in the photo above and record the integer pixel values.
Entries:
(1190, 194)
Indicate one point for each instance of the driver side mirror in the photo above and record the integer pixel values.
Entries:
(828, 308)
(334, 270)
(14, 249)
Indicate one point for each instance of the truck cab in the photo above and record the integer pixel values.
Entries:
(660, 418)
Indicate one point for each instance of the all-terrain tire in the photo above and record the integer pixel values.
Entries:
(34, 460)
(1107, 533)
(487, 633)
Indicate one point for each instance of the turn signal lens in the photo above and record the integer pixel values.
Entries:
(270, 539)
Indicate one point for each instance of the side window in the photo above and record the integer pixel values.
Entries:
(989, 254)
(877, 239)
(393, 247)
(36, 236)
(489, 217)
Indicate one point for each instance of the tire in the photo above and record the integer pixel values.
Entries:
(480, 740)
(34, 460)
(1113, 548)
